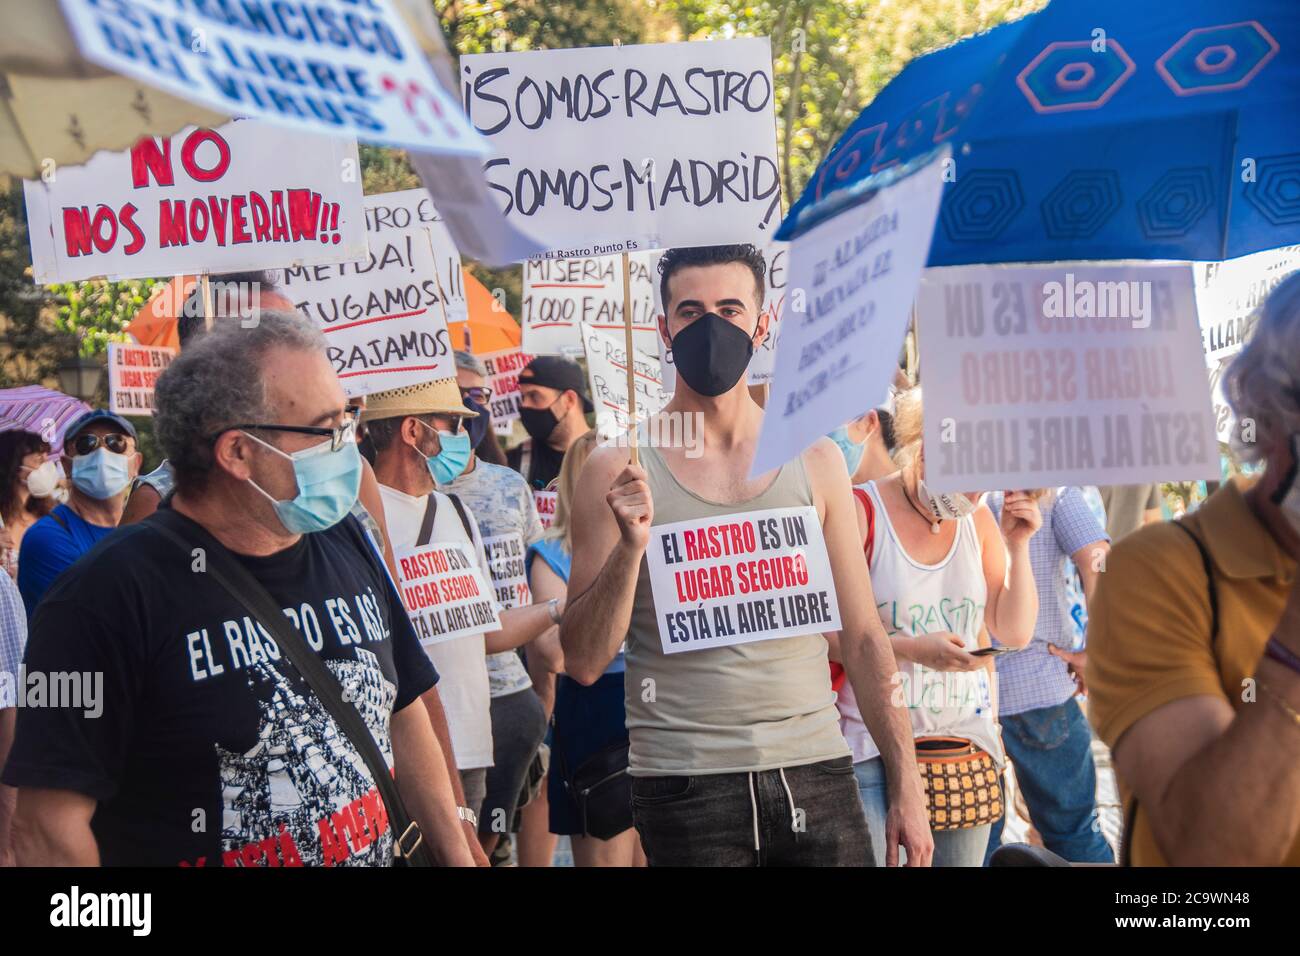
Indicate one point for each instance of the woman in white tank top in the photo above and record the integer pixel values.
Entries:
(942, 570)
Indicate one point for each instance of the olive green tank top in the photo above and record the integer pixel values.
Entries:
(731, 709)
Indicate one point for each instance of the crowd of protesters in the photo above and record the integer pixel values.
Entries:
(959, 657)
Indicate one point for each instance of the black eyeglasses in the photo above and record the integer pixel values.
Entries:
(85, 444)
(339, 436)
(478, 394)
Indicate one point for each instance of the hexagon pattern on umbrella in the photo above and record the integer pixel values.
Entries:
(41, 410)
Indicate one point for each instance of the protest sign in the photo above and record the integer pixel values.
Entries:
(204, 200)
(852, 281)
(445, 593)
(545, 501)
(607, 373)
(1228, 293)
(761, 366)
(560, 294)
(505, 555)
(132, 372)
(741, 578)
(603, 150)
(503, 378)
(349, 68)
(383, 316)
(1063, 374)
(1225, 422)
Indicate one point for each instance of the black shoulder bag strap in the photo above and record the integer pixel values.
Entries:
(1126, 848)
(431, 512)
(234, 577)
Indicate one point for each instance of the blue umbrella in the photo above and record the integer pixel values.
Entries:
(1095, 129)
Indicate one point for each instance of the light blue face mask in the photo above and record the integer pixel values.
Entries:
(102, 474)
(328, 483)
(453, 456)
(852, 450)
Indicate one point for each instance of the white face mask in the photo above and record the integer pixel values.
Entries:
(42, 481)
(945, 506)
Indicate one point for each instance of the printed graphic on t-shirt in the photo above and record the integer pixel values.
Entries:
(303, 795)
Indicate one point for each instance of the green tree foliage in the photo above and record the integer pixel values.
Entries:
(98, 312)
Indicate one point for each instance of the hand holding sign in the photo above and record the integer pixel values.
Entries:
(633, 508)
(1021, 517)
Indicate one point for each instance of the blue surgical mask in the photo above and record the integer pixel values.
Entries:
(102, 474)
(852, 449)
(452, 458)
(328, 483)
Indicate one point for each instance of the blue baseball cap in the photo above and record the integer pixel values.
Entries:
(97, 415)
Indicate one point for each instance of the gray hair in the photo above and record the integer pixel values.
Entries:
(1263, 383)
(471, 363)
(217, 382)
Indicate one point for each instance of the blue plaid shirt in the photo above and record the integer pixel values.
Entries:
(13, 638)
(1033, 678)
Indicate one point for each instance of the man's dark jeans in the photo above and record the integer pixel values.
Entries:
(712, 819)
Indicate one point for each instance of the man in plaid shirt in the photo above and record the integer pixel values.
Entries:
(1045, 732)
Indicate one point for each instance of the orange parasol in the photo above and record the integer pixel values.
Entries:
(155, 323)
(491, 328)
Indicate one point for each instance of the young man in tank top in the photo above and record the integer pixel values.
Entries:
(736, 752)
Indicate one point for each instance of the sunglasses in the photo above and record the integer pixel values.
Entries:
(478, 394)
(86, 444)
(339, 436)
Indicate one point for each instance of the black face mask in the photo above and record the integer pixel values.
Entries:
(711, 354)
(477, 427)
(539, 422)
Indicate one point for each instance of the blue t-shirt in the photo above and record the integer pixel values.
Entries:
(50, 548)
(559, 561)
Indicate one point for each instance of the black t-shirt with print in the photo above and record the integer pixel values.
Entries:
(202, 746)
(543, 465)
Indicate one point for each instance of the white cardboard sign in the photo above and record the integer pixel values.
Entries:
(133, 371)
(204, 200)
(545, 501)
(348, 67)
(503, 378)
(1063, 374)
(445, 592)
(561, 294)
(607, 374)
(1228, 293)
(852, 281)
(602, 150)
(753, 576)
(505, 556)
(383, 316)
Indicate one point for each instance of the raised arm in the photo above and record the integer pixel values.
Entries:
(1012, 608)
(610, 521)
(868, 657)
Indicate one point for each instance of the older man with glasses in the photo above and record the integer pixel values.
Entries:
(100, 458)
(197, 740)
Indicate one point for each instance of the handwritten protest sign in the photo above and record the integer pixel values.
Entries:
(545, 501)
(205, 200)
(1228, 293)
(351, 68)
(505, 555)
(445, 593)
(132, 372)
(852, 281)
(607, 372)
(740, 578)
(503, 378)
(383, 315)
(762, 365)
(560, 294)
(602, 150)
(1064, 374)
